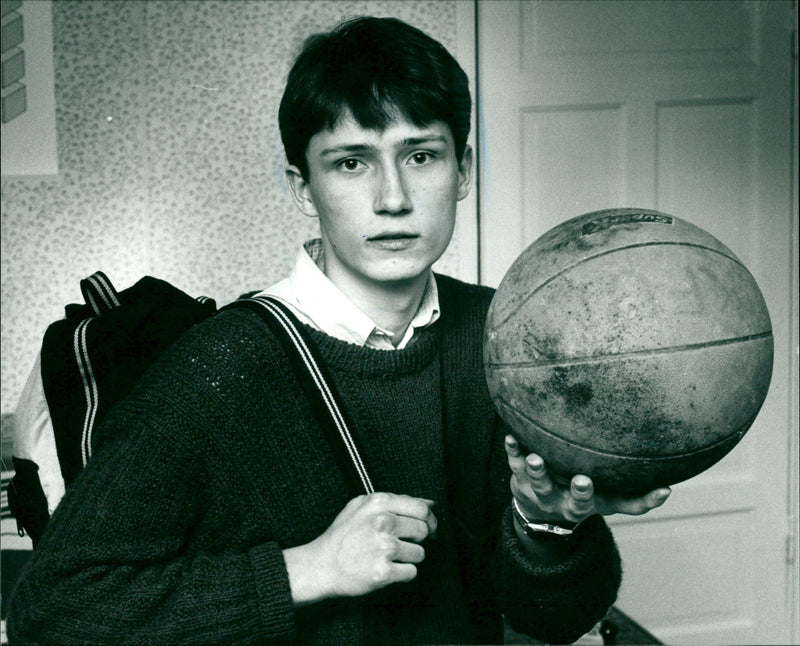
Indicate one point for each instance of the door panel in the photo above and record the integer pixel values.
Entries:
(683, 107)
(718, 179)
(555, 156)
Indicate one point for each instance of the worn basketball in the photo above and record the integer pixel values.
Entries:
(628, 345)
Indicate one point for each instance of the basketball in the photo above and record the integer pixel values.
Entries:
(630, 346)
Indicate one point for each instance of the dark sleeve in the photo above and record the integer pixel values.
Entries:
(118, 562)
(559, 600)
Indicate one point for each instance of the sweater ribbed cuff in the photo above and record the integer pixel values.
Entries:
(274, 593)
(560, 600)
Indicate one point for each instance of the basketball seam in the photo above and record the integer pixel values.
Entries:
(597, 451)
(618, 355)
(605, 253)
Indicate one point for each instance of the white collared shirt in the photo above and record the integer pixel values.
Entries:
(315, 300)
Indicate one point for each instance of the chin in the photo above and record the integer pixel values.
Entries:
(400, 270)
(400, 276)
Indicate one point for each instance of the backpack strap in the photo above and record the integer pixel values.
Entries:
(99, 293)
(315, 381)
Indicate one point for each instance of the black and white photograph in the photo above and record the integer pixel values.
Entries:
(400, 322)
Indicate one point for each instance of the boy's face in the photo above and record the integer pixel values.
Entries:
(386, 200)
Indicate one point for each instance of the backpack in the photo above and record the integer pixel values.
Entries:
(89, 360)
(92, 358)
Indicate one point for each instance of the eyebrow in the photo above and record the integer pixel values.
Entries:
(405, 143)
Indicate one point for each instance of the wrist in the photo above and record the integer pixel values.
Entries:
(535, 528)
(306, 581)
(544, 549)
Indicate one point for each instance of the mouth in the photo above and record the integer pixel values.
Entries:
(381, 237)
(393, 241)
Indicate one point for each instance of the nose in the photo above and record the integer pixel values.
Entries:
(391, 194)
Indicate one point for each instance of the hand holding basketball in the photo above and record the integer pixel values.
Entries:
(543, 498)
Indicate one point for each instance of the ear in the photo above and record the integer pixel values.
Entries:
(301, 192)
(465, 173)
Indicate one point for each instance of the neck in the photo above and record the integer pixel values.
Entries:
(390, 305)
(395, 309)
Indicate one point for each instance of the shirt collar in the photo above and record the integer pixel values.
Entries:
(318, 302)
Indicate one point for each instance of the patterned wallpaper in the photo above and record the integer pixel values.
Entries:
(170, 160)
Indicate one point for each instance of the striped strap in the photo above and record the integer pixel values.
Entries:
(313, 377)
(101, 296)
(99, 293)
(84, 363)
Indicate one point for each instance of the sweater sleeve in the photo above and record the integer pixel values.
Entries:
(119, 561)
(557, 600)
(561, 600)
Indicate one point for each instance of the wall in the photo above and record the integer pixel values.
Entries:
(170, 160)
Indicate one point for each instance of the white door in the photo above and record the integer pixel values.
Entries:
(683, 107)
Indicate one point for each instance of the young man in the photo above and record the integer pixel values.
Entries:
(215, 511)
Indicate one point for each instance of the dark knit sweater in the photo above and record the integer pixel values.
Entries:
(174, 531)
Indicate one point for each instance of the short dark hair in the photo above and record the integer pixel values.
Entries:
(372, 66)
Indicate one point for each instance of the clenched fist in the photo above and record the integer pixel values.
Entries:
(373, 542)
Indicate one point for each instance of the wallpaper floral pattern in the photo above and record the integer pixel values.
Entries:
(169, 154)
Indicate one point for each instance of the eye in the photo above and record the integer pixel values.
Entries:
(350, 165)
(420, 158)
